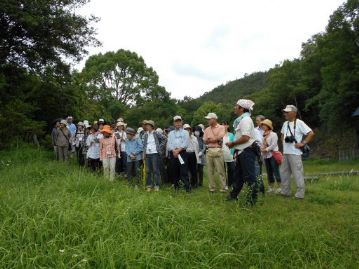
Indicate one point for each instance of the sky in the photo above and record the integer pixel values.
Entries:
(197, 45)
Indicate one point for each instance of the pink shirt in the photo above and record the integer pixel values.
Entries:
(217, 132)
(107, 148)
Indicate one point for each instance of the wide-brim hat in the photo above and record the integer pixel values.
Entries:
(187, 126)
(267, 123)
(290, 108)
(106, 129)
(150, 122)
(120, 123)
(63, 122)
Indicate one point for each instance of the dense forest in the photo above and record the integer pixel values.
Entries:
(41, 41)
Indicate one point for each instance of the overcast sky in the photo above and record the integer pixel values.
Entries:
(197, 45)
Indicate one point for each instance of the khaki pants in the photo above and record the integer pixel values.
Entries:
(63, 153)
(215, 162)
(292, 165)
(109, 166)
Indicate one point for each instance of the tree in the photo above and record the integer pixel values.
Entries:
(223, 112)
(122, 76)
(36, 34)
(35, 81)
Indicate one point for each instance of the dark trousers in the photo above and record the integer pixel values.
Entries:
(192, 168)
(272, 170)
(200, 174)
(164, 169)
(152, 169)
(245, 172)
(80, 156)
(133, 172)
(180, 171)
(94, 164)
(121, 163)
(231, 167)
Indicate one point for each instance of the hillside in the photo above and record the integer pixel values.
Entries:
(235, 89)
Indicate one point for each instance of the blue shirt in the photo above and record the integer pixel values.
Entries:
(72, 129)
(177, 139)
(134, 147)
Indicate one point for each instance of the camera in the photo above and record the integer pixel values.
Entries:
(290, 139)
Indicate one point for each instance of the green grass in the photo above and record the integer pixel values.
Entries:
(57, 216)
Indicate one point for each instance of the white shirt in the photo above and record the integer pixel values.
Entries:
(151, 144)
(245, 127)
(228, 157)
(193, 144)
(259, 135)
(121, 142)
(301, 129)
(271, 144)
(93, 151)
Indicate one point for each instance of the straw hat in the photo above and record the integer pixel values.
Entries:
(63, 122)
(267, 123)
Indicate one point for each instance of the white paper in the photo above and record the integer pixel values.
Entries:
(180, 159)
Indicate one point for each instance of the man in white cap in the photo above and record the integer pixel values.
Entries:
(293, 131)
(178, 141)
(213, 138)
(245, 151)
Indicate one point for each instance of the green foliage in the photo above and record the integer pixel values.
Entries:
(160, 112)
(122, 76)
(35, 34)
(35, 82)
(223, 112)
(233, 90)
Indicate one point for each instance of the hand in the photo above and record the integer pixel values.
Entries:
(229, 144)
(299, 145)
(175, 153)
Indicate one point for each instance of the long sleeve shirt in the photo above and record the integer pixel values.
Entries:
(270, 142)
(134, 147)
(107, 148)
(178, 139)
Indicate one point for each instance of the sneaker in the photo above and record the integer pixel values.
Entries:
(148, 189)
(223, 190)
(279, 190)
(157, 188)
(212, 190)
(270, 190)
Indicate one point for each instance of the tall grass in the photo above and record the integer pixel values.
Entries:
(58, 216)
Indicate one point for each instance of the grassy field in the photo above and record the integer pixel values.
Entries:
(57, 216)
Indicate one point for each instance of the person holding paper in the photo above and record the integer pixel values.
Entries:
(178, 141)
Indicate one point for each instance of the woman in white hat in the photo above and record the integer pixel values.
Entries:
(63, 141)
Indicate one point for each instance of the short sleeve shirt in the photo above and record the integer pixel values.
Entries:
(301, 129)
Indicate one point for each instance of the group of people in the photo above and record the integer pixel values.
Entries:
(178, 154)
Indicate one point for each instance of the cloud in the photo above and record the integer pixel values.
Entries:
(192, 71)
(195, 46)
